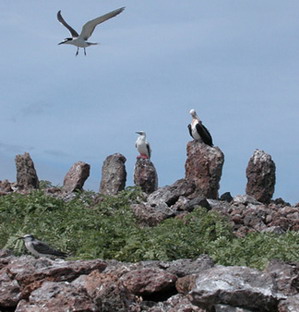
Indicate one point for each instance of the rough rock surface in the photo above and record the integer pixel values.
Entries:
(291, 304)
(26, 173)
(149, 282)
(28, 284)
(286, 275)
(114, 174)
(145, 175)
(5, 187)
(235, 286)
(169, 194)
(57, 297)
(76, 177)
(204, 167)
(260, 174)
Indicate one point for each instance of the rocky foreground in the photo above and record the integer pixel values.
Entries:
(184, 285)
(29, 284)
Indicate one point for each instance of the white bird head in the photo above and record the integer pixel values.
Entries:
(66, 40)
(193, 113)
(27, 238)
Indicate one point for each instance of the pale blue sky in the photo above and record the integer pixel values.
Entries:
(235, 62)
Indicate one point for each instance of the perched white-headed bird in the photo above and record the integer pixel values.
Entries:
(143, 146)
(198, 131)
(80, 41)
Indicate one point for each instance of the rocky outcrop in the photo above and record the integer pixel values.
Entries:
(26, 174)
(145, 175)
(249, 215)
(260, 174)
(76, 177)
(185, 285)
(169, 201)
(204, 167)
(114, 174)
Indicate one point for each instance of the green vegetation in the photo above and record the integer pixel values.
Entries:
(90, 227)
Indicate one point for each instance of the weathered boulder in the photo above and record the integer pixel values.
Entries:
(235, 286)
(145, 175)
(57, 297)
(26, 173)
(76, 177)
(204, 166)
(169, 194)
(114, 174)
(260, 174)
(107, 290)
(149, 282)
(147, 215)
(185, 267)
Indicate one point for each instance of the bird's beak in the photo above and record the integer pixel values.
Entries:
(61, 42)
(20, 237)
(138, 132)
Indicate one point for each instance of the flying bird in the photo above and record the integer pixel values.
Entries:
(198, 131)
(80, 41)
(143, 146)
(40, 249)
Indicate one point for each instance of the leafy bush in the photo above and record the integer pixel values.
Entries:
(88, 228)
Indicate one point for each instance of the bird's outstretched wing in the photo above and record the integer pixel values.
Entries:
(64, 23)
(45, 249)
(204, 134)
(89, 27)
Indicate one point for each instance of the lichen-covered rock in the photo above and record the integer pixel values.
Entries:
(260, 174)
(76, 177)
(235, 286)
(114, 174)
(145, 175)
(26, 173)
(57, 297)
(204, 166)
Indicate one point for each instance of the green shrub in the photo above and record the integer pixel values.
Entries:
(88, 227)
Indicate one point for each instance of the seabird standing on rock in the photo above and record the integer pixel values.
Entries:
(143, 146)
(198, 131)
(40, 249)
(80, 41)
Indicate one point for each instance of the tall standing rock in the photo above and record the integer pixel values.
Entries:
(204, 166)
(145, 175)
(114, 174)
(26, 173)
(260, 175)
(76, 177)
